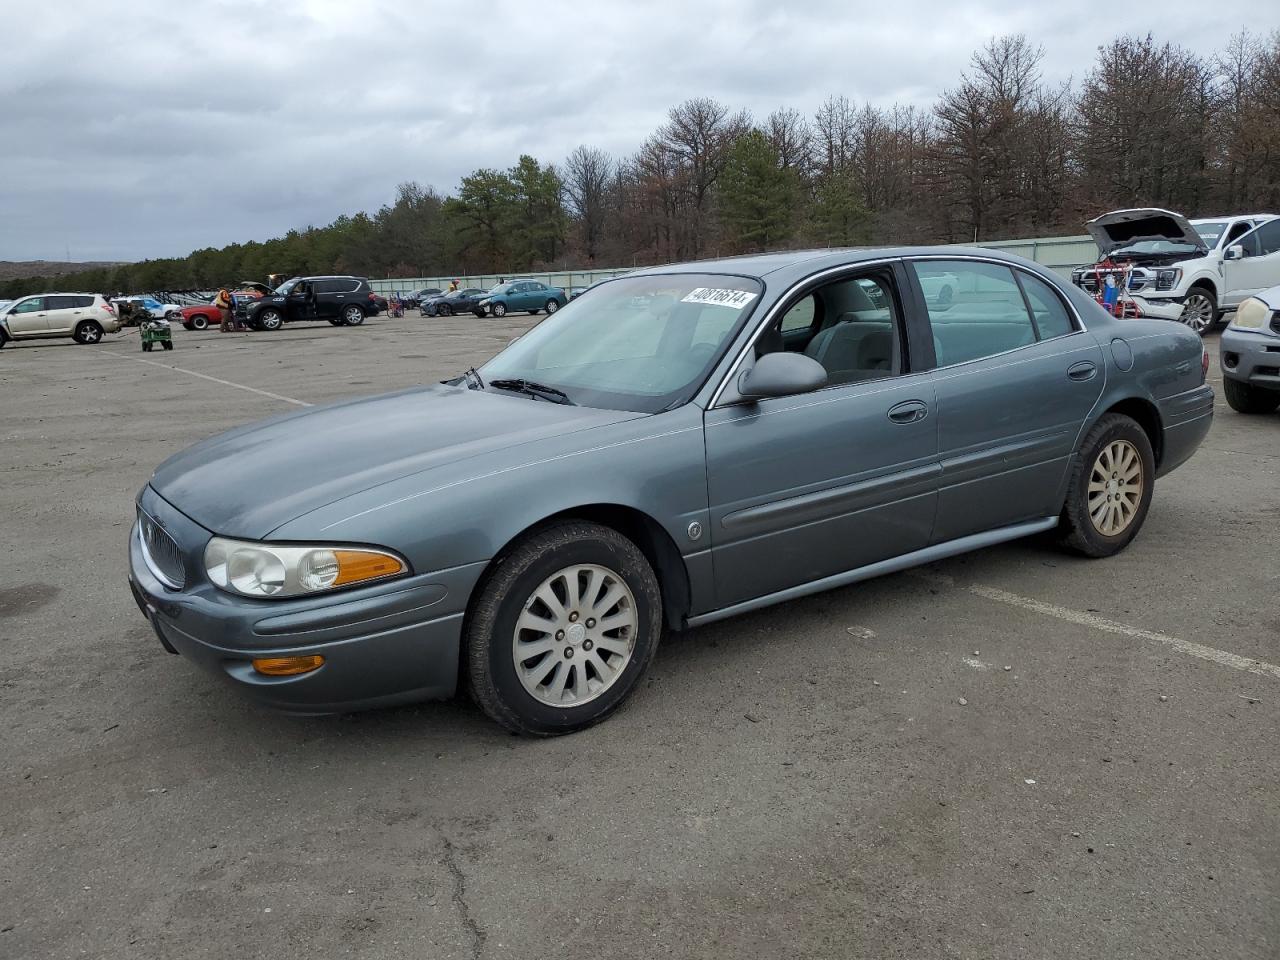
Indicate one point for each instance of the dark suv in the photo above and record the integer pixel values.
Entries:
(343, 301)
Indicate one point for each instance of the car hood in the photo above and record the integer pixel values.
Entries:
(249, 481)
(1119, 228)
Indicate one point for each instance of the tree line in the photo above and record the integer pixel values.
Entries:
(1001, 154)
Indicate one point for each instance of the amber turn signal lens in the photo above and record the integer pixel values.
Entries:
(287, 666)
(357, 565)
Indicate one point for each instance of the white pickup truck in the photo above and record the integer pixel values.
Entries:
(1193, 271)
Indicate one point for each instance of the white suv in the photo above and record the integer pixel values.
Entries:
(1163, 265)
(85, 317)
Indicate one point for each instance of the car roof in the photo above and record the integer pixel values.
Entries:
(1235, 216)
(64, 293)
(786, 266)
(330, 276)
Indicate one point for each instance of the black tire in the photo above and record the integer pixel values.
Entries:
(88, 331)
(1200, 310)
(352, 315)
(146, 348)
(444, 310)
(552, 306)
(4, 338)
(167, 344)
(478, 312)
(499, 309)
(1077, 529)
(1246, 398)
(492, 675)
(198, 322)
(335, 321)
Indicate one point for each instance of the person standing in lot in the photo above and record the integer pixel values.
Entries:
(225, 306)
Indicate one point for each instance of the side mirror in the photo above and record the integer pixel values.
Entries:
(781, 375)
(1234, 252)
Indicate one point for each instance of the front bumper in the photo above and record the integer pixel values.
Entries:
(386, 644)
(1158, 308)
(1250, 357)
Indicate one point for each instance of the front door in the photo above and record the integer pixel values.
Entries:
(810, 486)
(1258, 270)
(1016, 378)
(29, 318)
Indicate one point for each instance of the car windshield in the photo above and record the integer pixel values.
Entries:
(1157, 247)
(1210, 232)
(284, 288)
(640, 343)
(499, 288)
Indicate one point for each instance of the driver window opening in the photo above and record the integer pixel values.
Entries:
(852, 327)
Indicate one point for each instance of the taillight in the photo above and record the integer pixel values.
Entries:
(106, 305)
(1204, 362)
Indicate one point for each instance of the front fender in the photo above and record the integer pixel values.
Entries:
(466, 512)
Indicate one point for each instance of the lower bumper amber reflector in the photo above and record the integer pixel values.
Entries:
(287, 666)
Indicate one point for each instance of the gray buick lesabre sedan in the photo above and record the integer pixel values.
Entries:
(674, 446)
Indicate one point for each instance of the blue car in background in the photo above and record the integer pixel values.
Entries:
(529, 295)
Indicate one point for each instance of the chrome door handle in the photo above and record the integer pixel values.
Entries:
(1084, 370)
(909, 411)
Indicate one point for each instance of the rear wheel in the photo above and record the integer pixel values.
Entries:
(1110, 488)
(146, 347)
(87, 332)
(1246, 398)
(479, 312)
(4, 338)
(564, 627)
(1200, 310)
(552, 306)
(270, 320)
(167, 344)
(352, 316)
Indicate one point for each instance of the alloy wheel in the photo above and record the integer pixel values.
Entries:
(1198, 312)
(1115, 488)
(575, 636)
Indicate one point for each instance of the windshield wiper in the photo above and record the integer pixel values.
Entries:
(473, 378)
(539, 390)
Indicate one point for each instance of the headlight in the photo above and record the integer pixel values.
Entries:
(484, 302)
(1168, 279)
(1252, 314)
(271, 570)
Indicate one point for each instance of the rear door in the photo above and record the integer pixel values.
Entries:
(342, 293)
(1258, 270)
(1016, 377)
(29, 318)
(807, 487)
(61, 312)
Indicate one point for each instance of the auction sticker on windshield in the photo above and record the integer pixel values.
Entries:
(737, 299)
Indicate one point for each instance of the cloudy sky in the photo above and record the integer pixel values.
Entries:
(153, 128)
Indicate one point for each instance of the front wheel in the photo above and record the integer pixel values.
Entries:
(499, 309)
(1110, 489)
(1246, 398)
(1200, 310)
(563, 628)
(444, 310)
(353, 316)
(270, 320)
(198, 322)
(167, 344)
(87, 332)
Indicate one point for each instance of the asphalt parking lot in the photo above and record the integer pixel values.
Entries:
(1011, 754)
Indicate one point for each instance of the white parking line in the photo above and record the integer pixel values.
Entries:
(205, 376)
(1080, 617)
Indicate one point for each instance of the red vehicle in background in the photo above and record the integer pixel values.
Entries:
(202, 316)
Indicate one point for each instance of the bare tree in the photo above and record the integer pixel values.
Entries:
(588, 172)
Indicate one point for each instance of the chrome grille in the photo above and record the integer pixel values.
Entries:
(161, 551)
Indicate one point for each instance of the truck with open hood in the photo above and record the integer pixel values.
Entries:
(1157, 263)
